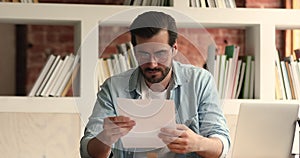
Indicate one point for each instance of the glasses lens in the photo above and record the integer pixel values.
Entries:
(160, 56)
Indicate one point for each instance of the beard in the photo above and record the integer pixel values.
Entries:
(155, 78)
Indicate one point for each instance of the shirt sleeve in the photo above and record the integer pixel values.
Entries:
(83, 147)
(225, 144)
(212, 119)
(102, 109)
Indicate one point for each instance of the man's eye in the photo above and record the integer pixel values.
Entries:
(144, 55)
(160, 54)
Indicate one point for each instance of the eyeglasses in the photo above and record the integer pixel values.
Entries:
(160, 56)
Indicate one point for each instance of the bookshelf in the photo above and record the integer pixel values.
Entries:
(260, 26)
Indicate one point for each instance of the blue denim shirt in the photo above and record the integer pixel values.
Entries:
(193, 91)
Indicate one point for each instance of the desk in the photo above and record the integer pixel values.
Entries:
(41, 135)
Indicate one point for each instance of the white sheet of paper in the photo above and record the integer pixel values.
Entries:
(150, 116)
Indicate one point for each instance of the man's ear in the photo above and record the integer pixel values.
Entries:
(174, 49)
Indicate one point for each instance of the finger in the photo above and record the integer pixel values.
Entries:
(183, 128)
(166, 139)
(108, 123)
(119, 119)
(171, 132)
(177, 148)
(122, 121)
(115, 128)
(125, 124)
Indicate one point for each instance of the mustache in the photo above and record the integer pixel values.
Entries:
(154, 69)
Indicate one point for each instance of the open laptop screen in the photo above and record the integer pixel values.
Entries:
(265, 130)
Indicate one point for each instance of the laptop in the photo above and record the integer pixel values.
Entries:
(265, 130)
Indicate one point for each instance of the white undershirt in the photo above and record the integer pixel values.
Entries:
(147, 93)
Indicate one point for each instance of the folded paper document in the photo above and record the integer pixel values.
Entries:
(150, 116)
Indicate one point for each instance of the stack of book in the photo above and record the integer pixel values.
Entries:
(119, 62)
(213, 3)
(149, 2)
(234, 75)
(287, 75)
(55, 78)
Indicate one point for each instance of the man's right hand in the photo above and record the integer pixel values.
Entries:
(114, 128)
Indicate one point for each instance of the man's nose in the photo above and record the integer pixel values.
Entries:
(153, 61)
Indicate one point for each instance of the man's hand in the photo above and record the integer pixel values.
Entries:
(183, 140)
(114, 128)
(180, 140)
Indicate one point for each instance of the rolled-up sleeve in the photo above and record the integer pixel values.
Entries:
(102, 109)
(83, 146)
(225, 142)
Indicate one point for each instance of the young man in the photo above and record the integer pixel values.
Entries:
(201, 127)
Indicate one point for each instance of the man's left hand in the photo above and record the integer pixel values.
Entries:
(181, 140)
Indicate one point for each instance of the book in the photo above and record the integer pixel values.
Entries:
(232, 3)
(228, 78)
(123, 63)
(286, 81)
(211, 3)
(63, 84)
(220, 3)
(116, 64)
(110, 66)
(146, 3)
(101, 76)
(51, 80)
(237, 78)
(278, 92)
(296, 78)
(203, 3)
(251, 85)
(216, 70)
(246, 84)
(71, 79)
(45, 92)
(210, 58)
(137, 2)
(42, 75)
(127, 2)
(122, 49)
(65, 61)
(279, 74)
(289, 75)
(130, 50)
(69, 75)
(41, 88)
(192, 3)
(240, 84)
(232, 51)
(62, 76)
(224, 79)
(222, 68)
(106, 69)
(227, 4)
